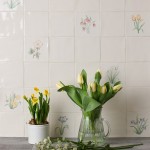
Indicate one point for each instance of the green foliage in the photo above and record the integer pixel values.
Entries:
(66, 144)
(38, 105)
(97, 95)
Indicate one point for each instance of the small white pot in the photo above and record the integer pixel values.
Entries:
(37, 133)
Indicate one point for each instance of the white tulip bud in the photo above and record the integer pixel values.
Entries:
(103, 89)
(80, 79)
(93, 87)
(116, 88)
(59, 85)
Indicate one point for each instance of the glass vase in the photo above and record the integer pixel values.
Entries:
(92, 128)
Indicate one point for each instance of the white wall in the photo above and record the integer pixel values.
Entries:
(66, 47)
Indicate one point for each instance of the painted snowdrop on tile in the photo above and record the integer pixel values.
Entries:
(45, 41)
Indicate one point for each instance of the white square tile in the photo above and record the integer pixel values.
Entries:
(90, 68)
(138, 99)
(113, 49)
(36, 5)
(62, 49)
(11, 24)
(117, 122)
(113, 24)
(144, 23)
(138, 74)
(36, 24)
(87, 24)
(36, 74)
(87, 49)
(9, 5)
(117, 103)
(137, 49)
(63, 5)
(143, 118)
(13, 129)
(59, 99)
(58, 73)
(112, 5)
(36, 49)
(11, 100)
(137, 5)
(11, 74)
(63, 24)
(87, 5)
(56, 124)
(12, 51)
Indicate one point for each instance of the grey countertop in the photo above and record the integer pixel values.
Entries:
(21, 143)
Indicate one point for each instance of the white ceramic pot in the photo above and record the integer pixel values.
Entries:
(37, 133)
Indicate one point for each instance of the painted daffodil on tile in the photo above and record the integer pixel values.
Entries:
(38, 104)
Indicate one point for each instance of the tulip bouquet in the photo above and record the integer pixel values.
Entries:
(38, 105)
(90, 97)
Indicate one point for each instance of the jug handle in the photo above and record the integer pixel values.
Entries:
(109, 129)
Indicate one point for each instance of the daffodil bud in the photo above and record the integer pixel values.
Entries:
(103, 89)
(93, 87)
(59, 85)
(116, 88)
(80, 79)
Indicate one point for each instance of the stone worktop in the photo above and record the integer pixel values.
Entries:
(21, 143)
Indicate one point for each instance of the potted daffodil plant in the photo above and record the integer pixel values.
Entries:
(91, 98)
(38, 126)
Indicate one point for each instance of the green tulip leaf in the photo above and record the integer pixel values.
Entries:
(97, 77)
(89, 104)
(73, 94)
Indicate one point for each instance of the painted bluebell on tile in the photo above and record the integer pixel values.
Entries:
(62, 125)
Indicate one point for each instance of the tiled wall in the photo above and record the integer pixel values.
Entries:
(44, 41)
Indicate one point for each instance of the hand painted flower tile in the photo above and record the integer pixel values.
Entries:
(11, 99)
(11, 5)
(36, 49)
(62, 124)
(137, 24)
(87, 24)
(138, 124)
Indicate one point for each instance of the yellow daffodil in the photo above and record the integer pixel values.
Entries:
(93, 87)
(46, 93)
(34, 101)
(118, 87)
(59, 85)
(36, 89)
(80, 79)
(103, 89)
(32, 95)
